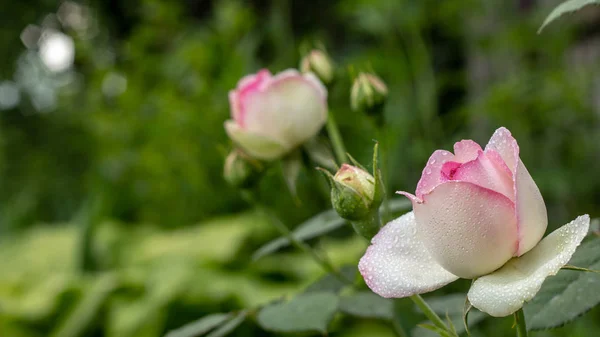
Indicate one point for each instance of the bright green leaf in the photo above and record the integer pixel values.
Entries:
(368, 305)
(569, 294)
(200, 326)
(309, 312)
(565, 8)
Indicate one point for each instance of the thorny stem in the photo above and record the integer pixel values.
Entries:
(336, 139)
(520, 322)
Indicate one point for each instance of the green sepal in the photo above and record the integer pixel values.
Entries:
(379, 194)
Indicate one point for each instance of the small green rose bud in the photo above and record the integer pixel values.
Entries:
(356, 196)
(320, 64)
(368, 94)
(240, 170)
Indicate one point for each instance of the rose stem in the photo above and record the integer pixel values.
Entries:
(336, 139)
(521, 325)
(426, 309)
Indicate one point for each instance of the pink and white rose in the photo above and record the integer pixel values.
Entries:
(477, 214)
(272, 115)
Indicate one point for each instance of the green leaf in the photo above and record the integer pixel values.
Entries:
(228, 327)
(309, 312)
(87, 310)
(320, 224)
(452, 304)
(569, 294)
(331, 283)
(398, 205)
(564, 8)
(200, 326)
(368, 305)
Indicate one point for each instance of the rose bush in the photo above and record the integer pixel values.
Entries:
(477, 214)
(272, 115)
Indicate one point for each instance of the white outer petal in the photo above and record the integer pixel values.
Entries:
(397, 263)
(504, 291)
(253, 144)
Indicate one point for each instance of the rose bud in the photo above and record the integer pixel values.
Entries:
(318, 63)
(273, 115)
(477, 214)
(368, 94)
(240, 170)
(356, 196)
(353, 195)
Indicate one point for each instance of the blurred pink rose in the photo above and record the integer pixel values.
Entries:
(476, 214)
(272, 115)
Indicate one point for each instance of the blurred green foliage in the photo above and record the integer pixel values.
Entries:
(152, 152)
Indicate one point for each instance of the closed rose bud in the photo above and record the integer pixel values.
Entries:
(477, 214)
(241, 171)
(353, 195)
(273, 115)
(356, 196)
(320, 64)
(368, 94)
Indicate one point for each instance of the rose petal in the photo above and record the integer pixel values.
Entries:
(506, 290)
(398, 265)
(498, 161)
(309, 77)
(483, 172)
(246, 86)
(532, 216)
(431, 176)
(466, 150)
(250, 80)
(506, 146)
(255, 145)
(458, 222)
(290, 110)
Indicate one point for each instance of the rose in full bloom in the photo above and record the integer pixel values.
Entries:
(272, 115)
(477, 214)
